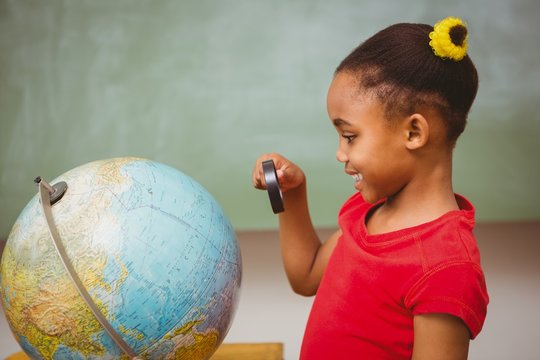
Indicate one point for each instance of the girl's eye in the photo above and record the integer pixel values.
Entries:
(349, 138)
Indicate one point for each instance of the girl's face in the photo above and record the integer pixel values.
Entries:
(371, 147)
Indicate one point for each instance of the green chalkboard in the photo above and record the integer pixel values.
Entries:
(207, 86)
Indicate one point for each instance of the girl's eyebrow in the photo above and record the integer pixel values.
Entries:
(340, 122)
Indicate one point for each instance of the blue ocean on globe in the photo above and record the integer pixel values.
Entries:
(152, 247)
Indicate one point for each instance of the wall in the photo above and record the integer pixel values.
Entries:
(206, 86)
(269, 312)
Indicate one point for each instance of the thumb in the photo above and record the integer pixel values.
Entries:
(285, 178)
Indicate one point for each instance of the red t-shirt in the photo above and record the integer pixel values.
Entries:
(374, 285)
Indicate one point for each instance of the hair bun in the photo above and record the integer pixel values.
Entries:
(449, 39)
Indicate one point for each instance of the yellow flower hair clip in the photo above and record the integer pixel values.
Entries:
(449, 39)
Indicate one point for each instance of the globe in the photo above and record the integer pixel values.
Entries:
(150, 246)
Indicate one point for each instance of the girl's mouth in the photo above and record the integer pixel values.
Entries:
(357, 177)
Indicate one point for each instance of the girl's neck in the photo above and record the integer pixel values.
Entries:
(425, 198)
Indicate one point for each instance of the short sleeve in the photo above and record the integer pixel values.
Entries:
(457, 289)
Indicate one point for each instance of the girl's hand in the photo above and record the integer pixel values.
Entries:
(290, 176)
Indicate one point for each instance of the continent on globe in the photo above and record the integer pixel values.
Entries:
(152, 248)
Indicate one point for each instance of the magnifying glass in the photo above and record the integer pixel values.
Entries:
(272, 186)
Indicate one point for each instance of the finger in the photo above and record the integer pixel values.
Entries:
(258, 178)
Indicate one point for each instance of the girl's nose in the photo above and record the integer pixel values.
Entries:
(341, 156)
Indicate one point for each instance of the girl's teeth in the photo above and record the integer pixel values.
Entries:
(357, 177)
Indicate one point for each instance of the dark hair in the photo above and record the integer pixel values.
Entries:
(401, 69)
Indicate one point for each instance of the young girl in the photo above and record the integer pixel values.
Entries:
(401, 278)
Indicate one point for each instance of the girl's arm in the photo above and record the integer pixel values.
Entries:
(304, 256)
(440, 336)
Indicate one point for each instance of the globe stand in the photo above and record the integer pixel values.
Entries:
(50, 195)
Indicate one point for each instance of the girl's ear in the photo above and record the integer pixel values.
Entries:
(416, 129)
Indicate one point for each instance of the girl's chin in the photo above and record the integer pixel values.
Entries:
(369, 197)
